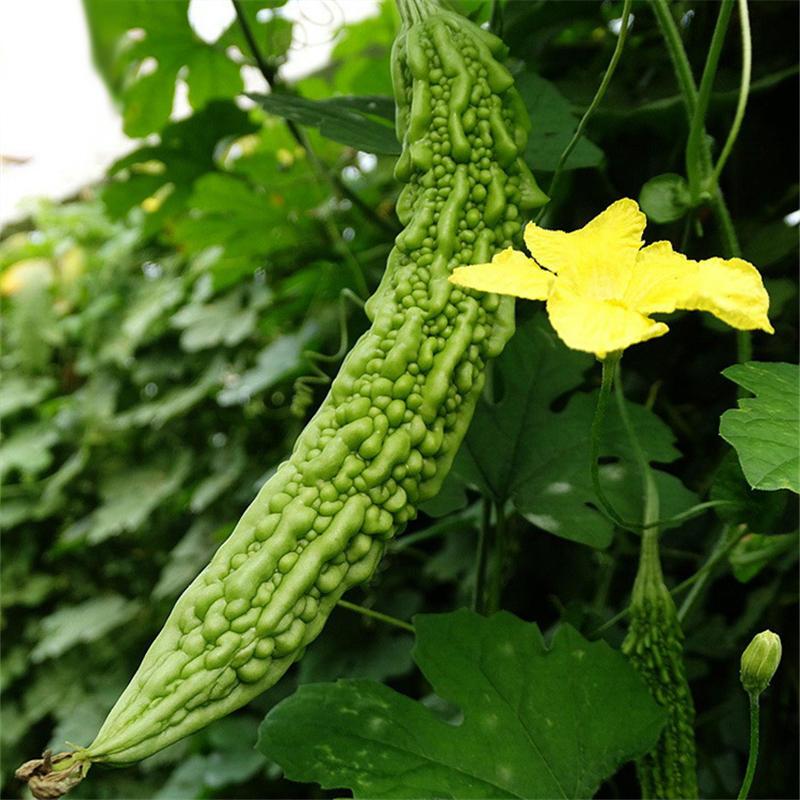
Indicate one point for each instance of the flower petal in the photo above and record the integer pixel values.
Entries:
(597, 259)
(598, 326)
(510, 272)
(730, 289)
(662, 280)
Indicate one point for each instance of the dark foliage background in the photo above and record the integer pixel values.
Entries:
(155, 327)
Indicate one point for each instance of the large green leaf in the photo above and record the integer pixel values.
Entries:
(761, 512)
(129, 497)
(765, 429)
(354, 121)
(522, 449)
(85, 622)
(535, 721)
(21, 391)
(28, 450)
(174, 403)
(276, 361)
(187, 150)
(227, 320)
(238, 219)
(143, 68)
(553, 124)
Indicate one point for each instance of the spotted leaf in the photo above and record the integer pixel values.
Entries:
(526, 719)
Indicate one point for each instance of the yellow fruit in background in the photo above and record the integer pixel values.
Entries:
(25, 273)
(71, 264)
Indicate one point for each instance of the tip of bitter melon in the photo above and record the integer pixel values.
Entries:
(51, 777)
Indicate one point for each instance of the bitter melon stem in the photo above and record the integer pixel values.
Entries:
(51, 777)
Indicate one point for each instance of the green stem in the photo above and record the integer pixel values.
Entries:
(697, 155)
(688, 601)
(264, 67)
(677, 54)
(498, 559)
(650, 489)
(709, 565)
(484, 535)
(683, 74)
(752, 758)
(744, 90)
(609, 367)
(437, 529)
(377, 615)
(596, 100)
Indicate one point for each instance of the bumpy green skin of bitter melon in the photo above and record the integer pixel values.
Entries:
(654, 646)
(386, 435)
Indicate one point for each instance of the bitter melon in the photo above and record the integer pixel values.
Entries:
(385, 437)
(654, 646)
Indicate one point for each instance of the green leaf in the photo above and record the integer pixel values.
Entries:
(769, 243)
(754, 552)
(129, 498)
(142, 70)
(147, 102)
(765, 429)
(147, 309)
(35, 588)
(760, 511)
(211, 76)
(276, 361)
(348, 120)
(53, 495)
(85, 622)
(186, 151)
(361, 55)
(665, 198)
(186, 780)
(523, 450)
(451, 497)
(186, 559)
(228, 464)
(243, 220)
(232, 767)
(28, 450)
(553, 125)
(13, 512)
(536, 722)
(174, 403)
(22, 391)
(224, 321)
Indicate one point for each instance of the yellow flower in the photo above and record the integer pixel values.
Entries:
(601, 284)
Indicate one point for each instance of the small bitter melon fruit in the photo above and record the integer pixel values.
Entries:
(384, 439)
(654, 646)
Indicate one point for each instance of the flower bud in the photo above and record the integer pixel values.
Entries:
(760, 662)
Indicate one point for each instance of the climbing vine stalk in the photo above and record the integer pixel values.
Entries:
(744, 89)
(698, 160)
(698, 155)
(625, 20)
